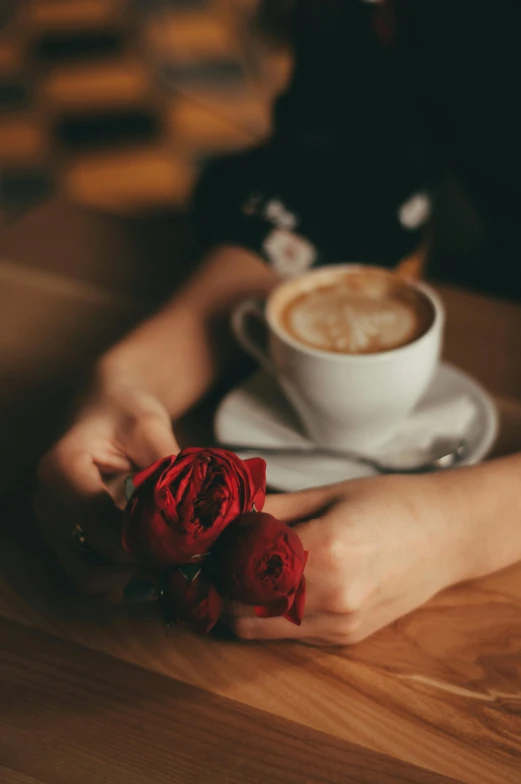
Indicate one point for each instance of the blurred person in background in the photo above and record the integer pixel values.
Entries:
(385, 98)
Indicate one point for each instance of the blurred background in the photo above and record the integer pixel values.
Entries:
(116, 103)
(113, 105)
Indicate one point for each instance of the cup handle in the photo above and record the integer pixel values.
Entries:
(242, 316)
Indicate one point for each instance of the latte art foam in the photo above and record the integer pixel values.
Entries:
(361, 313)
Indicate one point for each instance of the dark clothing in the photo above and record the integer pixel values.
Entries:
(384, 101)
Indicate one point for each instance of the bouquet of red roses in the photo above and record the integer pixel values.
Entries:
(197, 518)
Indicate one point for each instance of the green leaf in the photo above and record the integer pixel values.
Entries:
(129, 487)
(190, 572)
(140, 591)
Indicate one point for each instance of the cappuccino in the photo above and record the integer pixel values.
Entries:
(330, 339)
(357, 312)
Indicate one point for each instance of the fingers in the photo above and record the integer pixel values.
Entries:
(315, 603)
(332, 584)
(297, 507)
(71, 492)
(78, 481)
(152, 438)
(91, 574)
(328, 629)
(342, 627)
(69, 473)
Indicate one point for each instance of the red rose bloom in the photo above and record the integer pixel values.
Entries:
(182, 503)
(260, 560)
(189, 600)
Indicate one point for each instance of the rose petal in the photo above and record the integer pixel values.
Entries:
(183, 503)
(295, 613)
(215, 606)
(192, 603)
(142, 476)
(275, 609)
(257, 469)
(258, 560)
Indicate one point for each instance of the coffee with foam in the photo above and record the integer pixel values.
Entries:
(364, 311)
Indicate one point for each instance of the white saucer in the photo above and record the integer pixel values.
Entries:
(257, 414)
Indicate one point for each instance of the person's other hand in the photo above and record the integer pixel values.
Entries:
(378, 548)
(81, 482)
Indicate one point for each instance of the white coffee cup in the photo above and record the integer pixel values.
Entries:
(345, 401)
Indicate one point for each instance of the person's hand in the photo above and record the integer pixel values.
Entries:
(81, 482)
(378, 548)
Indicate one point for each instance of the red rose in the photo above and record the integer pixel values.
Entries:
(260, 560)
(189, 599)
(182, 503)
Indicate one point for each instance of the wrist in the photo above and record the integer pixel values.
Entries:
(147, 364)
(118, 399)
(114, 371)
(480, 526)
(452, 514)
(443, 512)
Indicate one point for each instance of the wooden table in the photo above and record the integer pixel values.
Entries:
(98, 694)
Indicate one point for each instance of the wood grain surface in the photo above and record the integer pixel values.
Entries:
(56, 698)
(95, 693)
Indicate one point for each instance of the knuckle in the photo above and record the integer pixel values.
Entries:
(149, 427)
(352, 630)
(345, 640)
(352, 602)
(335, 600)
(345, 600)
(351, 625)
(334, 553)
(351, 638)
(325, 641)
(142, 422)
(242, 628)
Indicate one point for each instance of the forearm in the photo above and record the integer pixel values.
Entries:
(178, 353)
(483, 505)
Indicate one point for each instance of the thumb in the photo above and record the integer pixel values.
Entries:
(305, 505)
(71, 492)
(152, 439)
(311, 534)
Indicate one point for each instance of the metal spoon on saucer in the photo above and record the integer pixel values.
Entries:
(444, 453)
